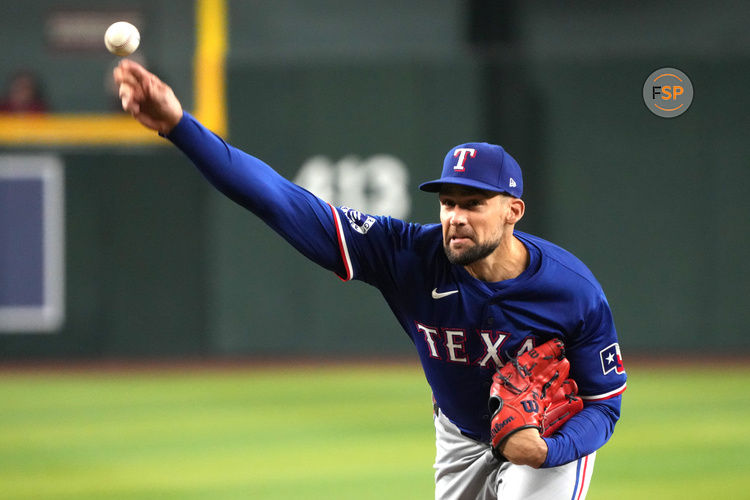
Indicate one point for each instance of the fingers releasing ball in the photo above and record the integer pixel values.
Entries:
(122, 38)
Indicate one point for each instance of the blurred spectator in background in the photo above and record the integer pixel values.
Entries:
(23, 95)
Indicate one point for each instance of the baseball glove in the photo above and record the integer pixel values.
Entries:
(532, 391)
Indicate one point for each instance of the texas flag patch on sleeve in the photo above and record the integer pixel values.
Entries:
(611, 359)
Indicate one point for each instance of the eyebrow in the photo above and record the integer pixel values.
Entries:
(468, 192)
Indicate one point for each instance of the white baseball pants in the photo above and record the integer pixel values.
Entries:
(466, 470)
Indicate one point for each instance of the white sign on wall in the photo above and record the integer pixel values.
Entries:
(377, 185)
(32, 281)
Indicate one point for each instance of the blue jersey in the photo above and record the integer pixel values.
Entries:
(463, 328)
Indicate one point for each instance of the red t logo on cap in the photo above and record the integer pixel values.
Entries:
(461, 153)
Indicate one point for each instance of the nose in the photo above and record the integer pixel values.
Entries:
(457, 217)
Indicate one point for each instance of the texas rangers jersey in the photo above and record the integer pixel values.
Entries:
(463, 328)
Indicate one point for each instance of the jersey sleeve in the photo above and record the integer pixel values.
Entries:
(594, 353)
(596, 366)
(584, 433)
(307, 222)
(378, 250)
(351, 244)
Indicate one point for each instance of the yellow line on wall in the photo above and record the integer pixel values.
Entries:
(78, 130)
(120, 129)
(210, 54)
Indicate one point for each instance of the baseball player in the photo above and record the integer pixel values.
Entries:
(473, 294)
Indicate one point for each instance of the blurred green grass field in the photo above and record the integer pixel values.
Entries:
(337, 432)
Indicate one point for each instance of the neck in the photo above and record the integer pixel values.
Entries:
(508, 261)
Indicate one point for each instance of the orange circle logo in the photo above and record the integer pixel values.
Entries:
(668, 92)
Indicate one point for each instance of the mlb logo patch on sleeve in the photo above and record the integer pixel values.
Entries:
(611, 359)
(360, 222)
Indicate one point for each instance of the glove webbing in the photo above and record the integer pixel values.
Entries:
(507, 383)
(549, 383)
(521, 369)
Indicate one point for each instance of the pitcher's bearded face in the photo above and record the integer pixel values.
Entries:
(472, 223)
(462, 249)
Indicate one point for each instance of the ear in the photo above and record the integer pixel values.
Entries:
(516, 209)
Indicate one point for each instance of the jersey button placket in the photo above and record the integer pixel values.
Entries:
(490, 310)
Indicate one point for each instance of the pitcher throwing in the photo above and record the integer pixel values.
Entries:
(514, 334)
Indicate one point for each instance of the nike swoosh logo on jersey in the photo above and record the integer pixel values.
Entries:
(440, 295)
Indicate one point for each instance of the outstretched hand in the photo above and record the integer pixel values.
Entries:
(146, 97)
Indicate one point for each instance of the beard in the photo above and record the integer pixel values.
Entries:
(471, 255)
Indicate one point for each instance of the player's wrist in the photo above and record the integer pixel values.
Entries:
(540, 456)
(171, 123)
(525, 447)
(545, 462)
(172, 126)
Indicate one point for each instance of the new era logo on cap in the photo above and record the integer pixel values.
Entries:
(480, 165)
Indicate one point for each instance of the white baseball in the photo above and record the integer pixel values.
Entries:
(122, 38)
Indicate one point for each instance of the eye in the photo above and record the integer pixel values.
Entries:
(448, 203)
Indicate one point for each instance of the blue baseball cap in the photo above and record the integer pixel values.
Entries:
(479, 165)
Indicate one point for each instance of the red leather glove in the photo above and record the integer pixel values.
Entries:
(533, 391)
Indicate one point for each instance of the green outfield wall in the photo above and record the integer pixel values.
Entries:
(159, 264)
